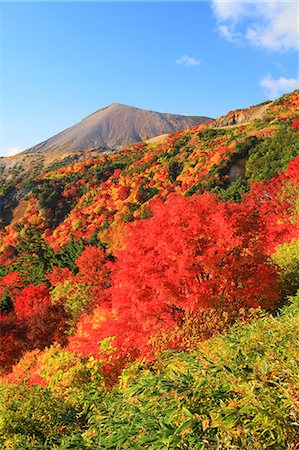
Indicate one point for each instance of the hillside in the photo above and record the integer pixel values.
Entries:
(17, 175)
(115, 126)
(156, 288)
(20, 170)
(104, 131)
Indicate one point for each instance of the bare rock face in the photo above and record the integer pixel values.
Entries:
(241, 116)
(115, 126)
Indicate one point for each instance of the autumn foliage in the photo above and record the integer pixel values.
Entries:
(93, 269)
(34, 323)
(193, 253)
(117, 253)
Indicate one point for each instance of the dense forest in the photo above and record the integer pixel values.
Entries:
(149, 297)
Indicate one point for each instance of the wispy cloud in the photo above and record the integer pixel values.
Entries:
(11, 151)
(188, 61)
(272, 25)
(273, 88)
(229, 35)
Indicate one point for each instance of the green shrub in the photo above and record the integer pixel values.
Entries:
(272, 155)
(286, 257)
(34, 418)
(234, 192)
(237, 391)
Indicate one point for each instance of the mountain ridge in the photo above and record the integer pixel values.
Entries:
(115, 126)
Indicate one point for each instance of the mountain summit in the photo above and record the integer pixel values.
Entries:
(114, 126)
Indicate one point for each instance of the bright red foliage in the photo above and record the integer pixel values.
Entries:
(11, 284)
(59, 275)
(92, 267)
(295, 124)
(12, 279)
(193, 252)
(33, 300)
(275, 203)
(35, 323)
(45, 322)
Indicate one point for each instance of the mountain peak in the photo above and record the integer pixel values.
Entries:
(116, 104)
(115, 126)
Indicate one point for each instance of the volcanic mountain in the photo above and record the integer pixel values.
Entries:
(114, 126)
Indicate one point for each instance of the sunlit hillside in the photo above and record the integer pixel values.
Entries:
(149, 296)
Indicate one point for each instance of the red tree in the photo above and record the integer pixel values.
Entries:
(93, 268)
(193, 252)
(34, 323)
(275, 201)
(32, 301)
(295, 124)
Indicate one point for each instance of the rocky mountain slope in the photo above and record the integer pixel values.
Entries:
(115, 126)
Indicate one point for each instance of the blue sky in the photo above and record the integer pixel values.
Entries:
(62, 61)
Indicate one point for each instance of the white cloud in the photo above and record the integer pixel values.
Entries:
(268, 24)
(229, 10)
(274, 88)
(230, 36)
(11, 151)
(188, 61)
